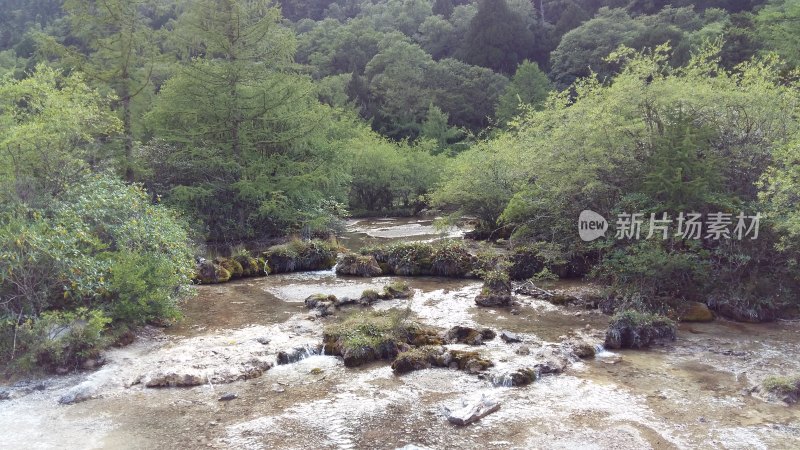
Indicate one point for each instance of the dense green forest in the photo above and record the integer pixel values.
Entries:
(133, 131)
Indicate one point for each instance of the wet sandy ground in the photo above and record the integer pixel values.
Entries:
(694, 393)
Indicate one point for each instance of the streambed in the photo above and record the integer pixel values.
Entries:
(695, 392)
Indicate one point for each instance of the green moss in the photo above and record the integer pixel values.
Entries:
(369, 336)
(249, 265)
(789, 385)
(210, 273)
(231, 265)
(447, 258)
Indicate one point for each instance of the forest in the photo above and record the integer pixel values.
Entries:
(135, 135)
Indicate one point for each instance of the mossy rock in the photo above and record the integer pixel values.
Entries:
(467, 335)
(300, 255)
(786, 389)
(210, 273)
(633, 329)
(397, 289)
(452, 259)
(522, 377)
(249, 265)
(419, 358)
(368, 336)
(471, 362)
(231, 265)
(369, 296)
(358, 265)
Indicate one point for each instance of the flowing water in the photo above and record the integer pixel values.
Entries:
(693, 393)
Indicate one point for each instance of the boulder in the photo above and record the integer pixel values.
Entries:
(472, 411)
(496, 290)
(397, 290)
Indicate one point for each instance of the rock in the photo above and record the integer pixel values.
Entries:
(509, 337)
(523, 350)
(695, 312)
(5, 394)
(173, 378)
(358, 265)
(231, 265)
(632, 329)
(419, 358)
(471, 362)
(562, 299)
(580, 347)
(494, 300)
(228, 396)
(295, 354)
(496, 290)
(250, 265)
(319, 300)
(519, 377)
(466, 335)
(263, 340)
(473, 411)
(278, 388)
(79, 393)
(209, 273)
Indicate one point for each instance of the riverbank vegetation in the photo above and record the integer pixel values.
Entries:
(132, 133)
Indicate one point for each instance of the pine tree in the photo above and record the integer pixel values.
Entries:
(496, 38)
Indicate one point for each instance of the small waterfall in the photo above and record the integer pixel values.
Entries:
(503, 380)
(298, 354)
(601, 352)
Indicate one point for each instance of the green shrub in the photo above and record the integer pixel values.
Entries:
(101, 244)
(142, 288)
(61, 339)
(651, 270)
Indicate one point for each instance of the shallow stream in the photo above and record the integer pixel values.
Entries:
(694, 393)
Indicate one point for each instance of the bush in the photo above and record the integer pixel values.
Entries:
(60, 339)
(100, 244)
(142, 289)
(647, 268)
